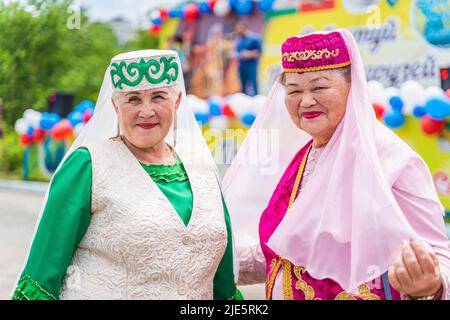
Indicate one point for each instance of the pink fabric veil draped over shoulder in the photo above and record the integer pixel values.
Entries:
(346, 224)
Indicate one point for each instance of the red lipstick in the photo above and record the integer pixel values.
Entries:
(147, 125)
(311, 115)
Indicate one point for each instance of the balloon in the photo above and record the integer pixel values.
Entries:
(30, 131)
(266, 5)
(202, 118)
(393, 119)
(396, 103)
(32, 117)
(434, 92)
(191, 11)
(21, 126)
(412, 94)
(388, 93)
(78, 128)
(215, 105)
(61, 130)
(219, 123)
(227, 111)
(26, 140)
(379, 109)
(38, 134)
(376, 91)
(204, 7)
(222, 8)
(75, 117)
(155, 17)
(447, 93)
(438, 108)
(212, 4)
(243, 7)
(430, 126)
(154, 30)
(419, 111)
(163, 13)
(87, 115)
(248, 119)
(49, 120)
(176, 13)
(83, 105)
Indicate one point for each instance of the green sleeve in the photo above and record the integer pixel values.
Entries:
(63, 224)
(224, 284)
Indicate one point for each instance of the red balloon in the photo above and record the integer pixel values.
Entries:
(154, 30)
(38, 134)
(164, 13)
(212, 4)
(26, 140)
(191, 11)
(87, 115)
(430, 126)
(447, 93)
(228, 112)
(61, 130)
(379, 109)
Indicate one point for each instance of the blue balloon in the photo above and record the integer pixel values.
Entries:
(232, 3)
(157, 21)
(419, 111)
(177, 12)
(75, 117)
(396, 103)
(394, 119)
(83, 105)
(48, 120)
(215, 109)
(248, 119)
(438, 108)
(266, 5)
(243, 7)
(202, 118)
(30, 131)
(204, 7)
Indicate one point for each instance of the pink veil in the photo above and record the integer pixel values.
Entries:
(346, 224)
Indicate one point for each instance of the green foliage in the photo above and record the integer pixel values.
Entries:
(11, 153)
(41, 53)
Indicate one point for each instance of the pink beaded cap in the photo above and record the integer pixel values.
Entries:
(314, 52)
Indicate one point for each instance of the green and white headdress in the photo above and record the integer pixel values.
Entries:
(145, 70)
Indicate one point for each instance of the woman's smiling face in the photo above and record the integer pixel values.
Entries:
(316, 101)
(145, 117)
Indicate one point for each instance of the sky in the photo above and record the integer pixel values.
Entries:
(133, 10)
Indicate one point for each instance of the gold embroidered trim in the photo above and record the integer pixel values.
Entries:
(298, 178)
(309, 54)
(364, 293)
(330, 66)
(287, 280)
(303, 285)
(274, 267)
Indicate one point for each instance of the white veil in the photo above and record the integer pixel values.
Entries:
(185, 136)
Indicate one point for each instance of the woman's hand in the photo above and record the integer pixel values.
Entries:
(415, 272)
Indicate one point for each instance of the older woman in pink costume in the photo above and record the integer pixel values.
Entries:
(346, 209)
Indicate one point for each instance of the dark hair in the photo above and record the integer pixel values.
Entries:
(345, 72)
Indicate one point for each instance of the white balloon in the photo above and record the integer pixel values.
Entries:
(33, 117)
(412, 94)
(433, 92)
(198, 105)
(222, 8)
(21, 126)
(376, 91)
(78, 128)
(155, 14)
(220, 123)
